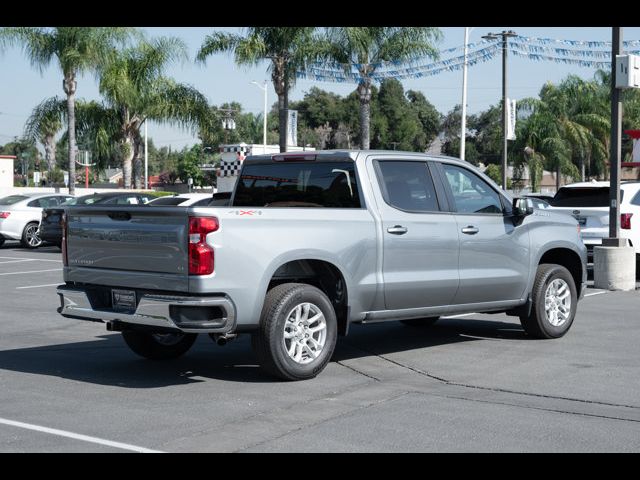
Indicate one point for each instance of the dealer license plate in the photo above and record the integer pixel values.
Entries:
(123, 300)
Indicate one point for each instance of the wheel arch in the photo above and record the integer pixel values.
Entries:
(322, 274)
(567, 258)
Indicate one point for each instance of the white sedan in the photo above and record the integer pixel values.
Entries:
(20, 216)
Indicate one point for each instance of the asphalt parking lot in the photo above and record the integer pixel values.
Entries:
(472, 383)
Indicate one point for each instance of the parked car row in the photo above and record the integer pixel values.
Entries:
(588, 202)
(20, 216)
(33, 218)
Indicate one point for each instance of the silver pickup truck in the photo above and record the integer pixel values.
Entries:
(313, 242)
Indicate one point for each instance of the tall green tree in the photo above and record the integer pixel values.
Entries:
(248, 127)
(428, 117)
(289, 49)
(76, 50)
(563, 128)
(135, 89)
(367, 47)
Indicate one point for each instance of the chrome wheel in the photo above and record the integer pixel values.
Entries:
(168, 339)
(32, 235)
(305, 333)
(557, 302)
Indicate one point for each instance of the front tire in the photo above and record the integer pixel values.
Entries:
(298, 332)
(1, 240)
(30, 236)
(159, 346)
(555, 300)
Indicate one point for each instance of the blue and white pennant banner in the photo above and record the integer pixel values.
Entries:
(532, 48)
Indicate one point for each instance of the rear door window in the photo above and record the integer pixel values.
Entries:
(47, 202)
(407, 186)
(298, 184)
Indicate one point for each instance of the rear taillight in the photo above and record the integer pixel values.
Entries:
(4, 214)
(625, 221)
(200, 253)
(63, 242)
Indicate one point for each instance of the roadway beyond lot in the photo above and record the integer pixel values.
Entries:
(472, 383)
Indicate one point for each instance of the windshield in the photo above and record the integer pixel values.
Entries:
(11, 199)
(582, 197)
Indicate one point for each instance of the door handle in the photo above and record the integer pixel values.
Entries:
(470, 230)
(398, 230)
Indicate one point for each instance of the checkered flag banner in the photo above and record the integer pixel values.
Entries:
(242, 149)
(229, 169)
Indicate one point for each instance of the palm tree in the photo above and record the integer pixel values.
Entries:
(43, 125)
(77, 50)
(561, 129)
(588, 106)
(95, 126)
(289, 49)
(366, 47)
(136, 90)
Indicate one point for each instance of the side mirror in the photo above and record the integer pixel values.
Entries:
(522, 206)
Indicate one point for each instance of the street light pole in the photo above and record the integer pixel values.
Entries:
(264, 119)
(146, 158)
(494, 36)
(463, 126)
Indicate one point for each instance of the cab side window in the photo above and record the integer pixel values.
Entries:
(471, 194)
(407, 186)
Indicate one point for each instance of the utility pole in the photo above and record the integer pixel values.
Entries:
(614, 239)
(264, 119)
(146, 158)
(494, 36)
(614, 263)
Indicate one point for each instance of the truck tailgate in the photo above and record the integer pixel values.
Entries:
(102, 241)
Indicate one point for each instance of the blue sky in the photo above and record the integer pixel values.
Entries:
(220, 80)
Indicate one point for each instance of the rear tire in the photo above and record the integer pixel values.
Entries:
(298, 332)
(554, 303)
(159, 346)
(1, 240)
(420, 322)
(30, 237)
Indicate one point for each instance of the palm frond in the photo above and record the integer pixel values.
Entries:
(46, 118)
(218, 42)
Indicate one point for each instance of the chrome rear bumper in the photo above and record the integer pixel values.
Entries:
(153, 310)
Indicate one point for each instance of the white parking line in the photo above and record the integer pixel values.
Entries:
(32, 271)
(77, 436)
(32, 259)
(461, 315)
(16, 261)
(38, 286)
(595, 293)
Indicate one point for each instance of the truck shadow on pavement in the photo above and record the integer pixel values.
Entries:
(107, 360)
(393, 337)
